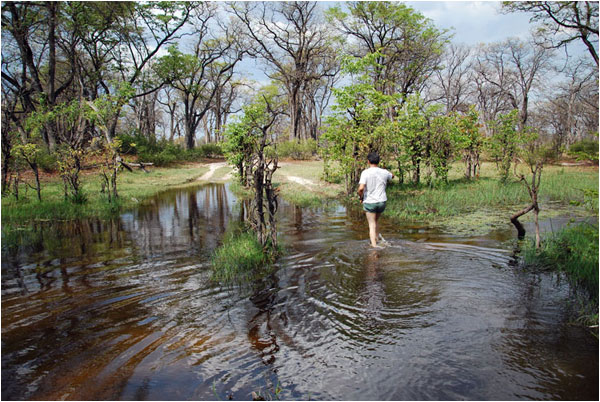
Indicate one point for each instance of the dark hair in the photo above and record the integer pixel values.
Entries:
(373, 158)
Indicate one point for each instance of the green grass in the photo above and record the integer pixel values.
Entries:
(299, 195)
(133, 187)
(310, 195)
(240, 257)
(574, 251)
(461, 196)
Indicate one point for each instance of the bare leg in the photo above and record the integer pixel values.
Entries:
(372, 219)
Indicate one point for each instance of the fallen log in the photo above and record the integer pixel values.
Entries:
(141, 165)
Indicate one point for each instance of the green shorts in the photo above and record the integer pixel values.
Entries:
(377, 207)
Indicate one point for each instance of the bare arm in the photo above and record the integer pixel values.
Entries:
(361, 191)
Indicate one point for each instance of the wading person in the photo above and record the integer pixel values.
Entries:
(371, 190)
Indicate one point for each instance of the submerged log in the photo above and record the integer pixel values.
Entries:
(515, 221)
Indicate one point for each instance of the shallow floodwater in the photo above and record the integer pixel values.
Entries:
(125, 309)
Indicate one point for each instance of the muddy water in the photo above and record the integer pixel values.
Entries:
(125, 309)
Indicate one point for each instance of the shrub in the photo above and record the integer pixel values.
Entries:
(169, 154)
(297, 150)
(47, 161)
(210, 150)
(584, 150)
(163, 153)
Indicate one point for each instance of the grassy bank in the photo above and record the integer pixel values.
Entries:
(133, 187)
(486, 202)
(573, 251)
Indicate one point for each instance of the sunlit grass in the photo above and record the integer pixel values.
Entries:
(310, 194)
(461, 196)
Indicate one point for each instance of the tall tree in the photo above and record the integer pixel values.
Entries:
(512, 69)
(201, 75)
(293, 41)
(563, 22)
(34, 28)
(451, 84)
(408, 44)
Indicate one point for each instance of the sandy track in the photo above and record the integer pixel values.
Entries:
(212, 168)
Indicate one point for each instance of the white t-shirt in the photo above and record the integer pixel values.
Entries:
(375, 180)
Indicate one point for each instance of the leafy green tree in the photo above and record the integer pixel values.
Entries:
(411, 135)
(442, 145)
(469, 141)
(200, 76)
(358, 124)
(407, 44)
(504, 141)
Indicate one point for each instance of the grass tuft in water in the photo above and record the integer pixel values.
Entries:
(240, 257)
(574, 251)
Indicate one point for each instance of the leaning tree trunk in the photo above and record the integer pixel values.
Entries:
(515, 221)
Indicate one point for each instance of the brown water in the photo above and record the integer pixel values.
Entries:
(125, 309)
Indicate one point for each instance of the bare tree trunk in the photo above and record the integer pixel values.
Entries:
(536, 212)
(515, 221)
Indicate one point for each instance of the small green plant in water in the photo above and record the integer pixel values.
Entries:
(241, 256)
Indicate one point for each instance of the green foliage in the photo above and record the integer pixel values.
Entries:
(47, 161)
(469, 140)
(584, 150)
(359, 123)
(574, 251)
(504, 141)
(242, 135)
(208, 151)
(302, 150)
(404, 43)
(165, 153)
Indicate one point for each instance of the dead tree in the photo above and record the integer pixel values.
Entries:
(263, 167)
(535, 160)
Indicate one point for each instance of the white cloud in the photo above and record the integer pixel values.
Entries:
(474, 22)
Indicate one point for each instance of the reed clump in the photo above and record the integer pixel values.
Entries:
(240, 256)
(572, 250)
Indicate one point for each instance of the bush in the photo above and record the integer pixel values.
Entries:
(166, 156)
(47, 161)
(584, 150)
(210, 150)
(163, 153)
(297, 150)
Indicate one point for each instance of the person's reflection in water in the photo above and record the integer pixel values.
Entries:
(374, 291)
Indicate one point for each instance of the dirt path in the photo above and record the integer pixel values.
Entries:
(212, 168)
(300, 180)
